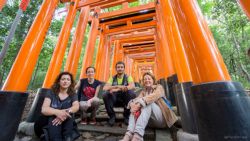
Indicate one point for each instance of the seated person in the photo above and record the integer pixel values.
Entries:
(149, 108)
(59, 105)
(87, 94)
(119, 92)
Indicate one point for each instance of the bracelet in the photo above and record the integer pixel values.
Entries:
(69, 111)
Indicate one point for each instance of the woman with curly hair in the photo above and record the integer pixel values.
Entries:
(59, 105)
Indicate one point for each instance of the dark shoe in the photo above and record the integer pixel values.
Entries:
(173, 132)
(68, 139)
(84, 121)
(126, 121)
(92, 121)
(111, 121)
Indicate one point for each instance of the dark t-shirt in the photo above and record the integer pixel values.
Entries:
(57, 103)
(86, 91)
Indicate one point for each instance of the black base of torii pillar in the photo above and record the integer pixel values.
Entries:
(11, 108)
(35, 110)
(222, 110)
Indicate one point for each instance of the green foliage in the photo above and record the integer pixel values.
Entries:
(7, 16)
(230, 28)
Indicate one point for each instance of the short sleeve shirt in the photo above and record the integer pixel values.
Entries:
(57, 103)
(119, 80)
(86, 91)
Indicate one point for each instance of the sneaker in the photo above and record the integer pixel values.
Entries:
(92, 121)
(111, 121)
(126, 121)
(84, 121)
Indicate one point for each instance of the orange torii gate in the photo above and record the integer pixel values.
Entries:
(2, 3)
(167, 37)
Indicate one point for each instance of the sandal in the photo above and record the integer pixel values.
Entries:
(127, 137)
(137, 137)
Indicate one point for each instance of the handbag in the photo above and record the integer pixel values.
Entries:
(167, 103)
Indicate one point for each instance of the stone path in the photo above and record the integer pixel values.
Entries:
(102, 131)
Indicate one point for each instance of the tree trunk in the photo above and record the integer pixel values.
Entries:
(237, 46)
(34, 77)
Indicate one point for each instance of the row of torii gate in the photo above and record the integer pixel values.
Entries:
(167, 37)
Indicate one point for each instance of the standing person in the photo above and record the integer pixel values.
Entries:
(149, 108)
(87, 94)
(59, 105)
(118, 92)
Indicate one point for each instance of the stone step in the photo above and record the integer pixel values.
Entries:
(118, 130)
(105, 117)
(162, 135)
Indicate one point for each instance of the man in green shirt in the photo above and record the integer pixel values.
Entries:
(119, 91)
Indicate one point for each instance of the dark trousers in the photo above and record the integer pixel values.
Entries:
(118, 99)
(60, 132)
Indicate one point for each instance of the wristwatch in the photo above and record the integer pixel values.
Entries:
(69, 111)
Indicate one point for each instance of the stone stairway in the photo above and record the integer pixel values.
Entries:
(103, 132)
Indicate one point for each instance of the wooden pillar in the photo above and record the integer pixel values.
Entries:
(170, 32)
(136, 73)
(160, 60)
(164, 47)
(76, 45)
(59, 51)
(134, 69)
(103, 64)
(90, 47)
(245, 6)
(213, 93)
(164, 52)
(156, 68)
(107, 58)
(115, 56)
(21, 71)
(126, 62)
(2, 4)
(99, 57)
(178, 48)
(129, 66)
(209, 63)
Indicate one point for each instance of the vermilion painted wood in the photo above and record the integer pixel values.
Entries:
(59, 51)
(21, 71)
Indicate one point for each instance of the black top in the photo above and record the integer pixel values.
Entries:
(57, 103)
(86, 91)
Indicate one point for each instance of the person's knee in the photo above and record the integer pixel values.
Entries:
(131, 94)
(105, 95)
(96, 103)
(146, 109)
(83, 106)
